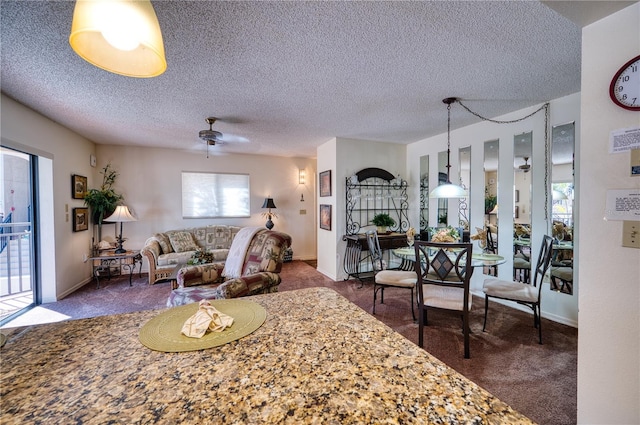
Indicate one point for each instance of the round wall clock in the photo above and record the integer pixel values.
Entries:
(625, 86)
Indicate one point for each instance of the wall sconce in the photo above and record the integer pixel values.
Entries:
(302, 180)
(301, 176)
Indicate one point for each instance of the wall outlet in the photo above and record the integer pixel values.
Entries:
(631, 234)
(303, 212)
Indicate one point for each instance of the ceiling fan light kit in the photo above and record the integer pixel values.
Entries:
(119, 36)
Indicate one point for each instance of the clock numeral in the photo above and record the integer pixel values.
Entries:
(634, 68)
(625, 78)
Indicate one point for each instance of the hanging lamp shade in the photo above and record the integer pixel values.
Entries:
(119, 36)
(448, 189)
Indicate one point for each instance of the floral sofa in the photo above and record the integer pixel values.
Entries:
(165, 250)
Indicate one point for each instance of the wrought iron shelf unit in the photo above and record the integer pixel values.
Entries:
(370, 192)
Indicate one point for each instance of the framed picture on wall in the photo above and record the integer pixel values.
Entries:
(80, 219)
(325, 183)
(78, 186)
(325, 217)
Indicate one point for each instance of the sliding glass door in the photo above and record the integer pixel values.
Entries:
(18, 282)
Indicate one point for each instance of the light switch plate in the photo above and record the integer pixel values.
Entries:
(631, 234)
(92, 160)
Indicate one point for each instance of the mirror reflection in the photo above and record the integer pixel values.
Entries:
(465, 182)
(490, 166)
(443, 203)
(562, 186)
(522, 178)
(424, 197)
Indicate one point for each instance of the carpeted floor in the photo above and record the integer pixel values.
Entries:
(538, 380)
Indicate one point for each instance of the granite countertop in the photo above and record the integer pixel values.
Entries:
(317, 359)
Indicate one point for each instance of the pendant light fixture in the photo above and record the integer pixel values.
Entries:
(119, 36)
(448, 189)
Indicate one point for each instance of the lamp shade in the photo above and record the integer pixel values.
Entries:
(448, 190)
(119, 36)
(121, 214)
(558, 196)
(268, 203)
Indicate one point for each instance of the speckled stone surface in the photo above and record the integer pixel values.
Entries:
(317, 359)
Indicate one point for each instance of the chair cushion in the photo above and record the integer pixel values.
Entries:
(564, 273)
(439, 296)
(511, 290)
(521, 263)
(405, 279)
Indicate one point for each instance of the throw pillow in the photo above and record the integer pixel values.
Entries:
(164, 242)
(183, 241)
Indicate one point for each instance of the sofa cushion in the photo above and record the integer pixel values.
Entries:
(165, 243)
(174, 258)
(183, 241)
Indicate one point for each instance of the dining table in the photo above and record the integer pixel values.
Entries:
(316, 358)
(478, 259)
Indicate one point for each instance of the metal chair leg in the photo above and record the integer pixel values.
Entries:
(486, 309)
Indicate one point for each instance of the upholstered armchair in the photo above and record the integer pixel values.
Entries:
(259, 271)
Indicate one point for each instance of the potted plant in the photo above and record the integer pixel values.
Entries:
(383, 221)
(103, 201)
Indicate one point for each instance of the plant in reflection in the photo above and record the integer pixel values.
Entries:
(490, 201)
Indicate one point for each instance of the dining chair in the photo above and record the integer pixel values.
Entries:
(444, 272)
(385, 278)
(523, 293)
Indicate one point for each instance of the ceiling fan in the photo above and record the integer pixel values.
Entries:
(212, 137)
(526, 167)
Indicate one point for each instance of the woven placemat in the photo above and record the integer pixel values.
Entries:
(162, 333)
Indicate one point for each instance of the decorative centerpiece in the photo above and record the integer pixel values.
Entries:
(411, 236)
(446, 234)
(200, 257)
(481, 237)
(383, 221)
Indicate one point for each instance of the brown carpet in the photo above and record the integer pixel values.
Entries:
(538, 380)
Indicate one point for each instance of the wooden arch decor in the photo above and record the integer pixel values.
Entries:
(367, 173)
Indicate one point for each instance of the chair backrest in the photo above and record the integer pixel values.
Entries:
(544, 260)
(375, 253)
(443, 264)
(491, 245)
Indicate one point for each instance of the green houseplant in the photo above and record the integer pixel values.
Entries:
(382, 221)
(103, 201)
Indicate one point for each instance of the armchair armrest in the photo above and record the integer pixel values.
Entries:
(257, 283)
(202, 274)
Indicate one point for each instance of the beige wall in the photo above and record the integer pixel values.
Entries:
(150, 180)
(346, 157)
(609, 299)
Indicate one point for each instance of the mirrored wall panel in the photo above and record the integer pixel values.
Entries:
(562, 195)
(465, 182)
(424, 197)
(443, 204)
(490, 165)
(522, 178)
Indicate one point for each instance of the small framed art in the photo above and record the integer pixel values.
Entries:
(325, 183)
(325, 217)
(78, 186)
(80, 219)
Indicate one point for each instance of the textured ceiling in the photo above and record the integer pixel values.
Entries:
(285, 77)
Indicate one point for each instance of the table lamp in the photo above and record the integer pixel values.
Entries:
(268, 203)
(120, 215)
